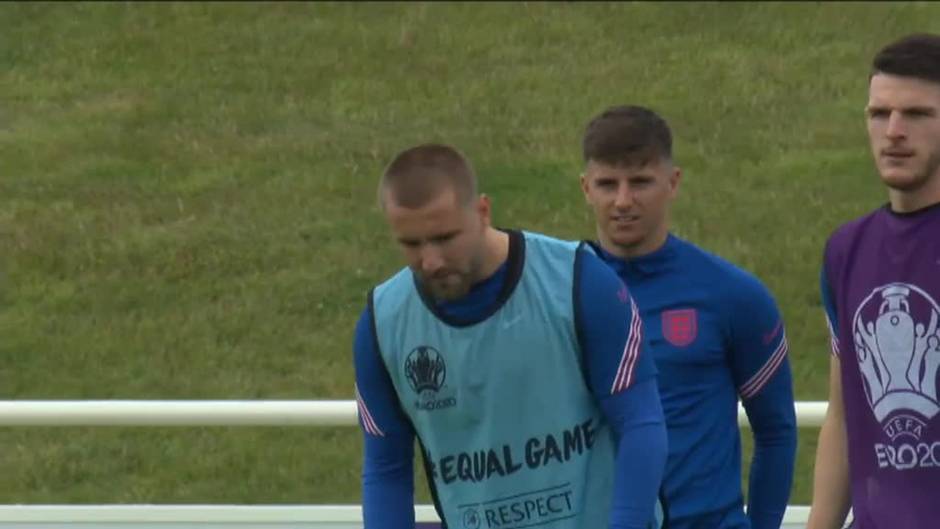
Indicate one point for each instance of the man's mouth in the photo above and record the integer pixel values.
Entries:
(625, 218)
(897, 154)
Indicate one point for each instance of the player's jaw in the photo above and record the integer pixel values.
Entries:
(625, 227)
(633, 233)
(907, 169)
(453, 278)
(446, 284)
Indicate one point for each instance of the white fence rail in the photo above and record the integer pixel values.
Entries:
(229, 413)
(327, 413)
(223, 516)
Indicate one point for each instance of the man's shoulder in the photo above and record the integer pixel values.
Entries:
(393, 290)
(403, 273)
(538, 237)
(842, 238)
(711, 264)
(553, 254)
(720, 274)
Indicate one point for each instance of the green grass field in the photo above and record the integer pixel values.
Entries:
(187, 196)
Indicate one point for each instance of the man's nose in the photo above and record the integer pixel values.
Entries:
(895, 125)
(431, 259)
(624, 197)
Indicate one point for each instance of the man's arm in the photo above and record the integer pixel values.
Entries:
(831, 475)
(761, 372)
(387, 470)
(773, 426)
(621, 375)
(831, 497)
(636, 416)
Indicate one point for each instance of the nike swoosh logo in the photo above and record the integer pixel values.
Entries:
(512, 322)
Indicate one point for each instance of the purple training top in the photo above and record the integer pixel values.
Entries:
(881, 288)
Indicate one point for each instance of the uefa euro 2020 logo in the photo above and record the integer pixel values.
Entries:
(425, 369)
(426, 372)
(897, 344)
(471, 519)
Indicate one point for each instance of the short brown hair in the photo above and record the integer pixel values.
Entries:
(627, 136)
(916, 56)
(419, 174)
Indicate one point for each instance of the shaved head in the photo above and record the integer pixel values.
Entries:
(420, 174)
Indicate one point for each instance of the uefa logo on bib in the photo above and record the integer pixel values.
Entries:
(426, 372)
(425, 369)
(897, 344)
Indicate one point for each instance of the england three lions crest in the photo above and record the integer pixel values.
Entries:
(680, 327)
(897, 344)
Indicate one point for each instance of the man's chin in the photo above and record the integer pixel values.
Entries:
(902, 180)
(447, 293)
(625, 241)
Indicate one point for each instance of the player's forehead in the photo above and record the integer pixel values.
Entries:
(442, 214)
(896, 92)
(439, 202)
(598, 169)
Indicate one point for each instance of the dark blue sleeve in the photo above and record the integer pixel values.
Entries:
(387, 470)
(758, 355)
(829, 305)
(621, 374)
(609, 329)
(636, 416)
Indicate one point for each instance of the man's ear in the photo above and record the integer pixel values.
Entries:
(484, 208)
(584, 187)
(674, 180)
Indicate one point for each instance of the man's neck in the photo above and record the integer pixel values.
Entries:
(495, 252)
